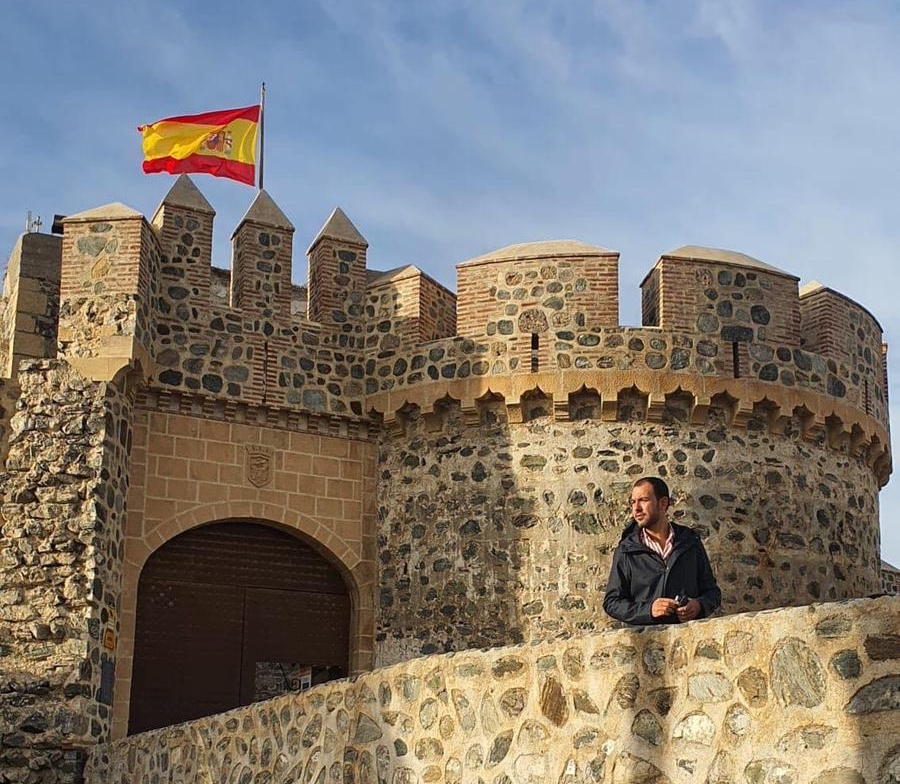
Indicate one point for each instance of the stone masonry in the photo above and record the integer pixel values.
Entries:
(802, 696)
(462, 460)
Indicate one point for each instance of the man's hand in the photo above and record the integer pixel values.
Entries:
(663, 606)
(690, 611)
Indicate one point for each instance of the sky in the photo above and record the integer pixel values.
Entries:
(448, 128)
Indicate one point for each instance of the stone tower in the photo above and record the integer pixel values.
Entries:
(509, 449)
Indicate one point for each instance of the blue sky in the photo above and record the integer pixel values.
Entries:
(449, 128)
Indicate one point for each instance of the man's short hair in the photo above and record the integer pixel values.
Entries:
(660, 488)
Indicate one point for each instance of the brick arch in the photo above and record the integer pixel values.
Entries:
(357, 575)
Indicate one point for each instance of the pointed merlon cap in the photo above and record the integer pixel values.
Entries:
(339, 227)
(185, 194)
(114, 211)
(265, 211)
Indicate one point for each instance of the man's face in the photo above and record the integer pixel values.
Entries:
(646, 508)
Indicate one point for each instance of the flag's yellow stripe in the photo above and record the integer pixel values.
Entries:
(181, 140)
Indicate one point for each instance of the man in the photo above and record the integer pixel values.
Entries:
(660, 571)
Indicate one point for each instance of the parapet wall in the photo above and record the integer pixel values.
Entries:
(807, 696)
(713, 291)
(537, 289)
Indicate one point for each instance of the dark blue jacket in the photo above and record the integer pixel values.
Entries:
(639, 575)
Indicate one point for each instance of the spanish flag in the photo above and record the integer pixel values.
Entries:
(219, 143)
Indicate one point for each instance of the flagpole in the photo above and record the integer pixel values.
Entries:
(262, 131)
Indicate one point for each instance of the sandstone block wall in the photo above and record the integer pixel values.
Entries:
(191, 467)
(802, 696)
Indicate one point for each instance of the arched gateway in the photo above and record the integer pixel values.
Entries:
(231, 613)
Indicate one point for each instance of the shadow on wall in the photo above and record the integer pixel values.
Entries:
(491, 533)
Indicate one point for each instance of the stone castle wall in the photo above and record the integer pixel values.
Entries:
(802, 696)
(65, 480)
(463, 460)
(255, 352)
(30, 301)
(407, 308)
(494, 531)
(742, 300)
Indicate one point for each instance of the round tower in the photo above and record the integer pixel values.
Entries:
(509, 449)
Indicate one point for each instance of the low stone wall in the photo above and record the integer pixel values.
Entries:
(806, 695)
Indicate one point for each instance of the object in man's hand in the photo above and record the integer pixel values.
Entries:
(681, 600)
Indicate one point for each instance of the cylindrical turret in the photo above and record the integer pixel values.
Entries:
(504, 492)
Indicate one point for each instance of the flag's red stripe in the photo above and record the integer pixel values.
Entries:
(215, 118)
(203, 164)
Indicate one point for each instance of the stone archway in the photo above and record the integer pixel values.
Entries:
(230, 613)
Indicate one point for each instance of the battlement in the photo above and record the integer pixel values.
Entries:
(144, 294)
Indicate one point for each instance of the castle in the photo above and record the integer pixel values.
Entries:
(219, 488)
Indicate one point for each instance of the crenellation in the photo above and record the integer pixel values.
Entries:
(337, 281)
(261, 265)
(405, 307)
(843, 332)
(184, 228)
(713, 291)
(537, 289)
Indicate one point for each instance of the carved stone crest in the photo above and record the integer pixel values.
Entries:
(258, 464)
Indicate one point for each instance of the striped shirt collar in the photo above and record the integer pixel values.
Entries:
(664, 550)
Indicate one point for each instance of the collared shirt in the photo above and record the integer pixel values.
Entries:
(664, 550)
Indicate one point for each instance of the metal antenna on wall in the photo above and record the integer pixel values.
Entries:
(33, 224)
